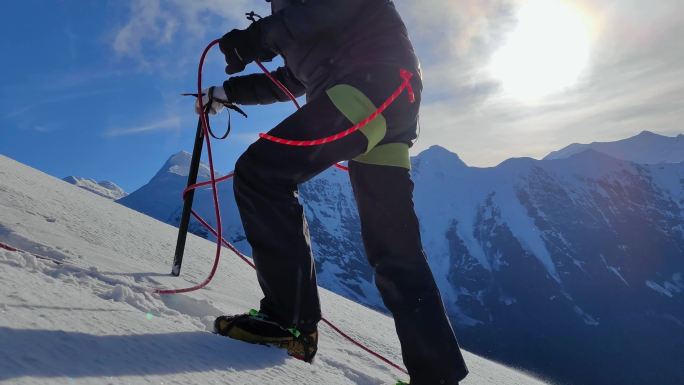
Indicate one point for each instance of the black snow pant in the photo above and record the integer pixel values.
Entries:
(265, 186)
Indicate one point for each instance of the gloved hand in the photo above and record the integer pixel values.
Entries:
(241, 47)
(236, 47)
(213, 98)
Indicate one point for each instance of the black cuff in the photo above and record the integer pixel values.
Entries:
(227, 90)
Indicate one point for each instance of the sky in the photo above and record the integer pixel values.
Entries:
(91, 88)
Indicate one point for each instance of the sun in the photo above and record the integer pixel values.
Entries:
(546, 52)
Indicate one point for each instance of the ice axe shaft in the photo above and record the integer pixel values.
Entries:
(187, 200)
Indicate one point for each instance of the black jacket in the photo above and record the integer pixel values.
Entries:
(322, 41)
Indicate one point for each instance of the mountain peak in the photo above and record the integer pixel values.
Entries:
(523, 161)
(650, 136)
(646, 134)
(179, 164)
(180, 158)
(438, 156)
(435, 148)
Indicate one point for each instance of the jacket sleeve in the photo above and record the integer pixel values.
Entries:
(259, 89)
(306, 19)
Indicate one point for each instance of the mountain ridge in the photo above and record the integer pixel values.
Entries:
(647, 148)
(106, 189)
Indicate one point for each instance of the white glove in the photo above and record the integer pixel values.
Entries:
(215, 98)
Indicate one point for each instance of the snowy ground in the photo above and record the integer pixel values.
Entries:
(87, 316)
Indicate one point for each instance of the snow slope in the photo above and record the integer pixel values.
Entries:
(87, 316)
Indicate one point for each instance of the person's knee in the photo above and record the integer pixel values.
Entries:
(242, 165)
(255, 167)
(245, 173)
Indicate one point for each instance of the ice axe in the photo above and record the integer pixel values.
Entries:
(192, 179)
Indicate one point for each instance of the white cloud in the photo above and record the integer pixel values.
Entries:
(165, 22)
(171, 124)
(635, 80)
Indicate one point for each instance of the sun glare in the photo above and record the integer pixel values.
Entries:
(545, 53)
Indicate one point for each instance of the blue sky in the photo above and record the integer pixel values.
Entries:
(70, 104)
(91, 88)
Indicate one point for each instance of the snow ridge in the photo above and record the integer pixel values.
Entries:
(106, 189)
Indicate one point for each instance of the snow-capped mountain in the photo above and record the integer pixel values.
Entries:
(540, 263)
(646, 148)
(161, 198)
(561, 260)
(77, 307)
(106, 189)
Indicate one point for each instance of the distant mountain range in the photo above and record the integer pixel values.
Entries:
(555, 266)
(571, 266)
(646, 148)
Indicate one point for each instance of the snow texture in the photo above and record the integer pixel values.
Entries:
(78, 309)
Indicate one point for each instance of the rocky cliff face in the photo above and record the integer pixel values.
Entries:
(576, 260)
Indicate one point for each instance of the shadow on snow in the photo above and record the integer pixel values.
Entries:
(54, 353)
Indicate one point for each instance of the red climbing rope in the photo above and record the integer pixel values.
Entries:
(293, 98)
(213, 181)
(405, 84)
(279, 84)
(7, 247)
(42, 257)
(357, 343)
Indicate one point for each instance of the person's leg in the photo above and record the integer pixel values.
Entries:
(392, 240)
(265, 186)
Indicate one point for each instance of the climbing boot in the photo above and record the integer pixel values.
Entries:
(257, 328)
